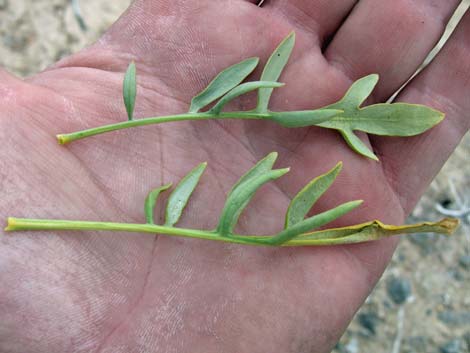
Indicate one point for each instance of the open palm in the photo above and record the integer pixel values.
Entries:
(102, 292)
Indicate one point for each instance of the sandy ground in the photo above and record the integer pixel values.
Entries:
(422, 303)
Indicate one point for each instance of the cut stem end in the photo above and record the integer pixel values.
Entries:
(62, 139)
(10, 224)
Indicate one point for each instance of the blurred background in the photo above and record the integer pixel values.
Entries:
(421, 304)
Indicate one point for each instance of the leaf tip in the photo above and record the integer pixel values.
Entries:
(284, 170)
(338, 166)
(253, 61)
(375, 77)
(358, 202)
(351, 205)
(449, 225)
(272, 156)
(440, 115)
(167, 186)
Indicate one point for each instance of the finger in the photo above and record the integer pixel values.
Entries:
(321, 17)
(391, 38)
(445, 85)
(10, 86)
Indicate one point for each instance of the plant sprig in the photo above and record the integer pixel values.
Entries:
(298, 229)
(345, 116)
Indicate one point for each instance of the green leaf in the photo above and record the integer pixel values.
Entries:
(273, 69)
(129, 89)
(304, 118)
(313, 222)
(260, 168)
(241, 196)
(242, 89)
(359, 91)
(357, 145)
(180, 195)
(151, 200)
(395, 119)
(222, 83)
(308, 196)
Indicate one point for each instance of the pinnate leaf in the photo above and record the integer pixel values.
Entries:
(308, 196)
(273, 69)
(222, 83)
(151, 200)
(129, 90)
(395, 119)
(181, 194)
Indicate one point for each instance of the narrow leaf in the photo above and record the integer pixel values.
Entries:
(359, 91)
(304, 117)
(151, 201)
(129, 89)
(395, 119)
(181, 194)
(308, 196)
(222, 83)
(242, 89)
(240, 197)
(313, 222)
(357, 145)
(273, 69)
(260, 168)
(373, 230)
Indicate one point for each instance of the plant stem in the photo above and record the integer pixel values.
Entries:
(16, 224)
(66, 138)
(345, 235)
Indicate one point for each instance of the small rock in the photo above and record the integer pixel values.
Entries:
(416, 344)
(399, 289)
(464, 261)
(339, 348)
(352, 346)
(453, 346)
(425, 241)
(466, 338)
(453, 318)
(456, 274)
(369, 321)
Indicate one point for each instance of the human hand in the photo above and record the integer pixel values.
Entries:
(72, 292)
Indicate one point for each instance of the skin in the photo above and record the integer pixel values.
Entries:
(102, 292)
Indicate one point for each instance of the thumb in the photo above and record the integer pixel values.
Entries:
(10, 86)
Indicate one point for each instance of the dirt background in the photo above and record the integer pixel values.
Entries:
(422, 303)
